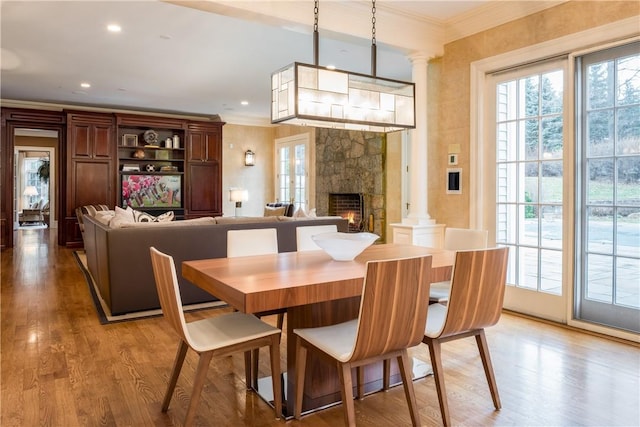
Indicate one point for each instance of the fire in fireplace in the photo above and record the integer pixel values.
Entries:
(349, 206)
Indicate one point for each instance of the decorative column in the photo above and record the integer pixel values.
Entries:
(418, 228)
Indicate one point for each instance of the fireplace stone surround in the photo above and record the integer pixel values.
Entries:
(353, 162)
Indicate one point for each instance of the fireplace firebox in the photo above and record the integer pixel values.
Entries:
(349, 206)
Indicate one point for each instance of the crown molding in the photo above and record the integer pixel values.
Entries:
(491, 15)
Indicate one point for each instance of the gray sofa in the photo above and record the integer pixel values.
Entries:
(119, 260)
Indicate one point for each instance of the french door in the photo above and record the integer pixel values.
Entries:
(524, 167)
(608, 268)
(292, 176)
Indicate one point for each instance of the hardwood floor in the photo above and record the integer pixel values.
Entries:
(61, 367)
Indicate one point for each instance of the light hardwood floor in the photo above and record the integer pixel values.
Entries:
(61, 367)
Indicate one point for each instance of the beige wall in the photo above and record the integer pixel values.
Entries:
(258, 179)
(451, 125)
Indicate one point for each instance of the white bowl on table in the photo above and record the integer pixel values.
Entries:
(344, 246)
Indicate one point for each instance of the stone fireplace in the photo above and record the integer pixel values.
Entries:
(352, 163)
(351, 207)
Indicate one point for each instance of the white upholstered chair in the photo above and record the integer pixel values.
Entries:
(250, 242)
(392, 316)
(253, 242)
(456, 239)
(216, 336)
(475, 303)
(304, 242)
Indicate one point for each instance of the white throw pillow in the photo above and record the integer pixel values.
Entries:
(122, 216)
(300, 213)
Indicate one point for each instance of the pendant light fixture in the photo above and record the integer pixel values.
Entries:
(311, 95)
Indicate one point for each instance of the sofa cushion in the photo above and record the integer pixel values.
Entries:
(140, 216)
(183, 223)
(289, 207)
(244, 219)
(279, 211)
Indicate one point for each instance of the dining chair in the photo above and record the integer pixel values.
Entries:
(393, 311)
(304, 242)
(215, 336)
(253, 242)
(456, 239)
(475, 303)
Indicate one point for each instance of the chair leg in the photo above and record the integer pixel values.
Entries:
(481, 340)
(438, 373)
(360, 385)
(248, 371)
(175, 373)
(255, 358)
(407, 381)
(280, 320)
(301, 363)
(198, 382)
(386, 374)
(274, 351)
(347, 394)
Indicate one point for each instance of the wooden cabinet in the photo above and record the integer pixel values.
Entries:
(151, 163)
(204, 169)
(90, 166)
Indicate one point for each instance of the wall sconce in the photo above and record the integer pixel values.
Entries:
(238, 195)
(249, 158)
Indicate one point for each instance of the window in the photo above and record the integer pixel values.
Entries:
(608, 288)
(529, 178)
(292, 179)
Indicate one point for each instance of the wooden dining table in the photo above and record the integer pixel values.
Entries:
(315, 290)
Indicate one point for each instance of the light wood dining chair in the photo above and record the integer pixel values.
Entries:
(216, 336)
(475, 303)
(253, 242)
(304, 242)
(393, 311)
(456, 239)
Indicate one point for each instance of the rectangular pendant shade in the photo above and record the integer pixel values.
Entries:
(309, 95)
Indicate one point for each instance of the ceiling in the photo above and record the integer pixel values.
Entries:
(179, 59)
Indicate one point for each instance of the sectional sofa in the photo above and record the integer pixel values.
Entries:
(119, 260)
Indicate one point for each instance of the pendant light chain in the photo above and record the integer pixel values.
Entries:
(315, 16)
(373, 22)
(316, 37)
(373, 39)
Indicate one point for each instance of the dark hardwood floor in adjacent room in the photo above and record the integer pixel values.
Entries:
(61, 367)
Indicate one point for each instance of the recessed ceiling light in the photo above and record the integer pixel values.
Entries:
(85, 85)
(244, 102)
(331, 67)
(114, 28)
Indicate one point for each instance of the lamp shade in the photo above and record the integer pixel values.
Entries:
(310, 95)
(30, 190)
(237, 195)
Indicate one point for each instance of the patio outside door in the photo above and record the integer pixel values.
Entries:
(526, 132)
(608, 268)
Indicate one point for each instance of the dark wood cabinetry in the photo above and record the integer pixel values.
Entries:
(90, 166)
(204, 169)
(97, 153)
(151, 164)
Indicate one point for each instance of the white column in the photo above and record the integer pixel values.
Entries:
(418, 228)
(419, 161)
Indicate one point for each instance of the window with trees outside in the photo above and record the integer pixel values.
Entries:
(608, 277)
(529, 178)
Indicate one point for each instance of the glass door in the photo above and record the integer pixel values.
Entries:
(292, 177)
(608, 268)
(525, 130)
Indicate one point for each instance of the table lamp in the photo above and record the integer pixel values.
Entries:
(238, 195)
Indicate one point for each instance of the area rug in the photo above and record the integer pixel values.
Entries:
(102, 309)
